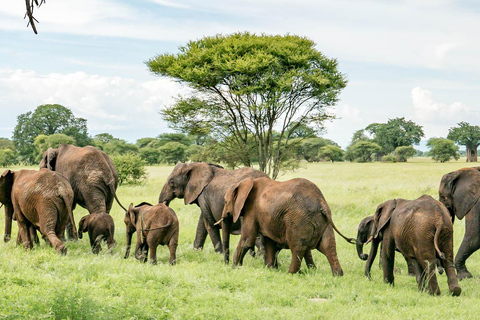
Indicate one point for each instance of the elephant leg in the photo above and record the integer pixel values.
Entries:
(226, 223)
(270, 253)
(56, 242)
(260, 246)
(418, 270)
(172, 246)
(453, 285)
(153, 253)
(200, 235)
(410, 267)
(247, 241)
(8, 223)
(23, 229)
(388, 257)
(327, 246)
(297, 257)
(470, 244)
(429, 264)
(309, 259)
(214, 234)
(33, 234)
(138, 249)
(97, 245)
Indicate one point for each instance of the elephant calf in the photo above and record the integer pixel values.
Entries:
(100, 226)
(41, 200)
(422, 231)
(155, 225)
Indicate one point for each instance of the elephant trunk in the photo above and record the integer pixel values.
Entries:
(360, 253)
(166, 195)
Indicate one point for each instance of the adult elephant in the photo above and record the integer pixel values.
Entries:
(42, 200)
(459, 191)
(291, 214)
(91, 174)
(205, 185)
(422, 231)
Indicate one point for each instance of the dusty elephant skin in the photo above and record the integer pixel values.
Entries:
(91, 174)
(291, 214)
(205, 185)
(42, 200)
(459, 191)
(155, 225)
(100, 227)
(422, 231)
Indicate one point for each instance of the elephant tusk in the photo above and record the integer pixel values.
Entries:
(218, 222)
(369, 239)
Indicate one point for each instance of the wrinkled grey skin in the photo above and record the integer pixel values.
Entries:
(42, 200)
(91, 174)
(364, 230)
(155, 225)
(291, 214)
(422, 231)
(205, 185)
(100, 227)
(459, 191)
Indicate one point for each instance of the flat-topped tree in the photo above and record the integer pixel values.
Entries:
(466, 135)
(251, 85)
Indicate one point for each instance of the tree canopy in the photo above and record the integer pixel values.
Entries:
(442, 150)
(47, 119)
(397, 132)
(246, 85)
(466, 135)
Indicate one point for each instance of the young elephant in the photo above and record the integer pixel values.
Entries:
(291, 214)
(422, 231)
(41, 200)
(155, 225)
(100, 226)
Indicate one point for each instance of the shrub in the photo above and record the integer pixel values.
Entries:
(442, 150)
(404, 152)
(389, 158)
(331, 153)
(131, 168)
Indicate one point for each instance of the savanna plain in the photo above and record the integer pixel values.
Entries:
(40, 284)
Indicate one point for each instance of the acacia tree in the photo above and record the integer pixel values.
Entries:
(247, 85)
(466, 135)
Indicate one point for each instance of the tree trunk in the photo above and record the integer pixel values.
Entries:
(472, 153)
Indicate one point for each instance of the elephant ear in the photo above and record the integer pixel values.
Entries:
(465, 192)
(49, 159)
(382, 216)
(83, 224)
(365, 229)
(239, 195)
(198, 176)
(6, 183)
(132, 212)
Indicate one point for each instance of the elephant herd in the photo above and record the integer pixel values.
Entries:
(269, 214)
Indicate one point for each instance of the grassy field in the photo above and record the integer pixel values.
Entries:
(39, 284)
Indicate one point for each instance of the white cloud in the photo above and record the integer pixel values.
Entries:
(106, 102)
(351, 114)
(428, 110)
(171, 4)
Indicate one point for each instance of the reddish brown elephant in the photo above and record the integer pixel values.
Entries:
(291, 214)
(91, 174)
(422, 231)
(155, 225)
(205, 185)
(100, 227)
(41, 200)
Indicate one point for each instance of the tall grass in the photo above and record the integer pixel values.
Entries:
(40, 284)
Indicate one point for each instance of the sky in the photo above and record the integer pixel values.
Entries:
(417, 59)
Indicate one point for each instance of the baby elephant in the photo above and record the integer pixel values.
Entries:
(155, 225)
(422, 231)
(100, 227)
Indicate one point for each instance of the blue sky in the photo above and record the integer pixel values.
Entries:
(403, 58)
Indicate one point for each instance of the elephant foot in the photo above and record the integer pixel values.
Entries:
(411, 274)
(6, 238)
(197, 248)
(252, 253)
(456, 291)
(62, 250)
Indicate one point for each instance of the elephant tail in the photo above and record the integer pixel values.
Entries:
(113, 191)
(328, 215)
(435, 241)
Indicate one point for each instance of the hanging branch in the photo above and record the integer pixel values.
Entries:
(29, 13)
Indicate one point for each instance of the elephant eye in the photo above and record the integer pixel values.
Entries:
(170, 182)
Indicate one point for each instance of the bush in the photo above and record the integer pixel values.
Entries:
(331, 153)
(442, 150)
(389, 158)
(172, 152)
(404, 152)
(131, 168)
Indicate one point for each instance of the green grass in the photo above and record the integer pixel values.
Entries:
(39, 284)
